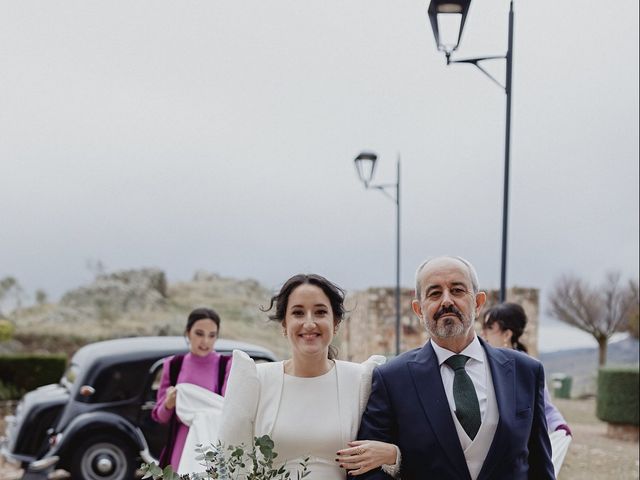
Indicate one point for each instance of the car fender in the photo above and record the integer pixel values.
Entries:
(100, 422)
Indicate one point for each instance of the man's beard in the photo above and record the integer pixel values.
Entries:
(449, 327)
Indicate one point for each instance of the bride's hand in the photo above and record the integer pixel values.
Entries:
(365, 455)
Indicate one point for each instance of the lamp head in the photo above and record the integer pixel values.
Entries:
(365, 166)
(447, 19)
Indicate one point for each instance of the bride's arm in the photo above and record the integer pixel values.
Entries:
(365, 455)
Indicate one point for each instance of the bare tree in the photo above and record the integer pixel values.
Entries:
(41, 297)
(10, 289)
(600, 311)
(96, 267)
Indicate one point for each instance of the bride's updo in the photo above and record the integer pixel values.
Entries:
(334, 293)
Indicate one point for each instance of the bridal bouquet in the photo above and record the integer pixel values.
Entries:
(232, 463)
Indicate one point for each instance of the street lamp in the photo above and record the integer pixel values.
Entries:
(452, 14)
(365, 164)
(447, 21)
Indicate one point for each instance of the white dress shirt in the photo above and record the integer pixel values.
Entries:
(475, 367)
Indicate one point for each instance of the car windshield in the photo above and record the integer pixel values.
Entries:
(70, 375)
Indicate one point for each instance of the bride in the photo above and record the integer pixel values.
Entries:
(310, 404)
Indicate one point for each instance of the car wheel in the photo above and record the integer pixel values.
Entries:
(103, 458)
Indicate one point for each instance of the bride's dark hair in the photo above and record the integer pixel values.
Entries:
(334, 293)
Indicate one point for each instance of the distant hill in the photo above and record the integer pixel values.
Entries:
(582, 363)
(142, 302)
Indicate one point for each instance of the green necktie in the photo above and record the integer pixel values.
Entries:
(464, 395)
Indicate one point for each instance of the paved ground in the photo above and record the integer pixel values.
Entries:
(592, 455)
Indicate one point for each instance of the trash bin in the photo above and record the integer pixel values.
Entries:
(561, 383)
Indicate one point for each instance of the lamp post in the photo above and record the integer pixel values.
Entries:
(447, 19)
(365, 164)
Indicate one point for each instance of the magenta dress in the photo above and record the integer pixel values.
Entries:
(201, 371)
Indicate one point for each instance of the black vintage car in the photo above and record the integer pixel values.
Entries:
(96, 423)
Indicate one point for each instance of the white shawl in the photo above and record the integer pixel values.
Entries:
(200, 409)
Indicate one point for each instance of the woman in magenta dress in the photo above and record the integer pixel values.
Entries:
(202, 366)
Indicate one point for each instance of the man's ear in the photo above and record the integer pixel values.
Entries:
(417, 309)
(481, 298)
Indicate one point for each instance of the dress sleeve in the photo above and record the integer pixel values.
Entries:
(394, 470)
(554, 417)
(159, 413)
(241, 401)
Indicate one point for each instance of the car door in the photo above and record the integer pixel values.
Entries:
(155, 433)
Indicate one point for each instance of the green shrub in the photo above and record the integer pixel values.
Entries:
(9, 392)
(26, 372)
(618, 395)
(6, 330)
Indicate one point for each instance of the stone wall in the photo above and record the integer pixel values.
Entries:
(370, 326)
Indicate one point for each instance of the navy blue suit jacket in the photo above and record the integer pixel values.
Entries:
(408, 407)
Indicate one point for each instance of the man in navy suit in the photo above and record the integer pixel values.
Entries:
(457, 408)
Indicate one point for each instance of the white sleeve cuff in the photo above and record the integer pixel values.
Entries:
(394, 470)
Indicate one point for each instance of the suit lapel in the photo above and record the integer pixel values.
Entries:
(425, 373)
(504, 386)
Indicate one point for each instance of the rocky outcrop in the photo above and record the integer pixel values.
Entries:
(119, 292)
(139, 302)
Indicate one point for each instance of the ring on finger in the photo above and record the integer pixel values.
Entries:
(360, 451)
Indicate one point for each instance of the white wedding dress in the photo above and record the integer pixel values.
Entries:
(308, 426)
(305, 417)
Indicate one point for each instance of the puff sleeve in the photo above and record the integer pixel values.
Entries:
(241, 401)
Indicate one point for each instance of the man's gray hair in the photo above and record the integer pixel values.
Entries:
(472, 272)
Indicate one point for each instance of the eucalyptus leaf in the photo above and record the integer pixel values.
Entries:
(239, 463)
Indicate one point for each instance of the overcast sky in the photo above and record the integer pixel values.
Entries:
(221, 136)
